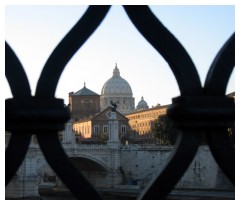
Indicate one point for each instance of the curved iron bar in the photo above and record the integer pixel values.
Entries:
(222, 151)
(175, 166)
(168, 46)
(19, 142)
(61, 55)
(67, 172)
(46, 87)
(221, 69)
(180, 63)
(15, 154)
(215, 85)
(16, 75)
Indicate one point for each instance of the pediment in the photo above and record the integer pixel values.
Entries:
(105, 115)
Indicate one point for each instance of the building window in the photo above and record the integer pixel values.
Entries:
(123, 129)
(96, 129)
(105, 129)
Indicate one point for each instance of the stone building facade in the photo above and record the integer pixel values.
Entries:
(84, 103)
(142, 121)
(97, 127)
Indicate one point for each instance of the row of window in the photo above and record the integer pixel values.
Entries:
(114, 100)
(142, 124)
(155, 114)
(96, 129)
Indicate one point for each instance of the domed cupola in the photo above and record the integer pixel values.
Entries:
(142, 104)
(117, 89)
(116, 86)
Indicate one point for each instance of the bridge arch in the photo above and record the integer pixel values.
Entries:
(89, 164)
(94, 170)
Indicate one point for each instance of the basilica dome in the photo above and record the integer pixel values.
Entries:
(116, 86)
(118, 90)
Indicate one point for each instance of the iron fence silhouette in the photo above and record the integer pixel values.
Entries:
(197, 112)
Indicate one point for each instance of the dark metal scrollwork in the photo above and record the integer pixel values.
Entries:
(48, 114)
(196, 112)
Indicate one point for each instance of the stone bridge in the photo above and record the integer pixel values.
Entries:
(100, 155)
(104, 155)
(122, 164)
(104, 160)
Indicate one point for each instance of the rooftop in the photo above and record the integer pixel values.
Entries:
(85, 91)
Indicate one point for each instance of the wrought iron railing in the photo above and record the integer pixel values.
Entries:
(196, 112)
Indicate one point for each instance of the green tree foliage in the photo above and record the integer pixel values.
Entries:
(163, 132)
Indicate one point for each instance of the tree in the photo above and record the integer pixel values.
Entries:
(103, 138)
(163, 131)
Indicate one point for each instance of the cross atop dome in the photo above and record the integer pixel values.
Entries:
(116, 71)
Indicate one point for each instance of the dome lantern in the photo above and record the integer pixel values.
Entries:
(116, 72)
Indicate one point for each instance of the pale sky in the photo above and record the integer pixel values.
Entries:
(34, 31)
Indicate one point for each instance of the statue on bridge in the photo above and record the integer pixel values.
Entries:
(114, 106)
